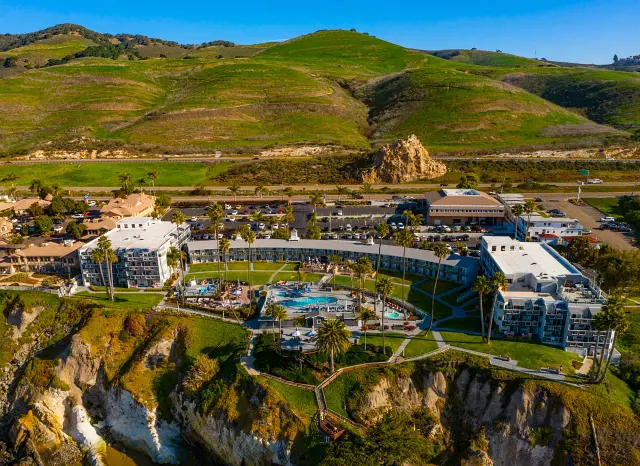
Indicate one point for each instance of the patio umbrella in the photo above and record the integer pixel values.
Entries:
(296, 334)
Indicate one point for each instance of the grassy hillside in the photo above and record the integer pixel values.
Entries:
(452, 110)
(486, 58)
(607, 97)
(39, 52)
(344, 54)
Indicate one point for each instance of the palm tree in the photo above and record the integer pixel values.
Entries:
(529, 208)
(234, 188)
(405, 239)
(280, 314)
(97, 256)
(482, 286)
(11, 192)
(335, 261)
(498, 283)
(383, 230)
(618, 324)
(333, 338)
(224, 246)
(342, 190)
(316, 200)
(288, 216)
(173, 258)
(599, 324)
(35, 186)
(110, 257)
(125, 179)
(271, 311)
(261, 190)
(288, 191)
(409, 218)
(441, 251)
(385, 288)
(517, 211)
(141, 182)
(178, 218)
(153, 176)
(216, 215)
(365, 315)
(249, 236)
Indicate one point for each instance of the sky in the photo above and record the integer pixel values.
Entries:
(586, 31)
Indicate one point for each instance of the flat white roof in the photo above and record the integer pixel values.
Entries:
(520, 258)
(337, 246)
(460, 192)
(152, 235)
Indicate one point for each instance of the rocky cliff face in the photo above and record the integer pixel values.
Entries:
(404, 160)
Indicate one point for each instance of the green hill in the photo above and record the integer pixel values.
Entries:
(486, 58)
(343, 90)
(40, 51)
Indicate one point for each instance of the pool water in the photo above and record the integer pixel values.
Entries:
(393, 315)
(308, 300)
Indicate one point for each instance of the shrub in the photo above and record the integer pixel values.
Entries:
(202, 371)
(136, 325)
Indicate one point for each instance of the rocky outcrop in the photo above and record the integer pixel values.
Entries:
(404, 160)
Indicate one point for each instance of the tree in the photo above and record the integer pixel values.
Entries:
(234, 188)
(365, 315)
(35, 210)
(316, 200)
(216, 215)
(141, 182)
(498, 283)
(383, 230)
(405, 239)
(126, 182)
(76, 230)
(173, 257)
(97, 256)
(224, 246)
(335, 261)
(178, 218)
(517, 211)
(203, 370)
(110, 257)
(618, 323)
(288, 191)
(342, 190)
(43, 223)
(362, 268)
(385, 288)
(468, 181)
(441, 251)
(333, 338)
(579, 249)
(529, 209)
(615, 58)
(35, 186)
(272, 311)
(279, 314)
(288, 216)
(16, 238)
(153, 176)
(261, 190)
(249, 236)
(314, 232)
(599, 324)
(482, 286)
(366, 189)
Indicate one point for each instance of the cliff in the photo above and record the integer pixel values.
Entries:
(404, 160)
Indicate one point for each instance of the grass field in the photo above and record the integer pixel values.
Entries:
(257, 278)
(529, 355)
(422, 343)
(124, 301)
(392, 339)
(487, 58)
(607, 205)
(41, 51)
(469, 323)
(303, 401)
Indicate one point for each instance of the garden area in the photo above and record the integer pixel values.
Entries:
(123, 301)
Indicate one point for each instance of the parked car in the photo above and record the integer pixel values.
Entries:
(607, 219)
(77, 216)
(595, 181)
(58, 229)
(227, 206)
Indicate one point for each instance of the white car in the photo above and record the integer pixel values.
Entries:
(400, 226)
(607, 219)
(595, 181)
(58, 229)
(339, 212)
(77, 216)
(231, 219)
(227, 206)
(348, 227)
(261, 225)
(91, 203)
(194, 219)
(234, 212)
(275, 227)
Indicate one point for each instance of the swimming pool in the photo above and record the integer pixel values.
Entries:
(308, 301)
(393, 315)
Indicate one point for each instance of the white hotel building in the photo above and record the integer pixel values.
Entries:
(547, 297)
(141, 244)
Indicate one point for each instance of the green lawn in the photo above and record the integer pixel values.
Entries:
(443, 285)
(607, 205)
(529, 355)
(304, 401)
(470, 323)
(293, 276)
(392, 339)
(257, 278)
(420, 344)
(217, 339)
(124, 301)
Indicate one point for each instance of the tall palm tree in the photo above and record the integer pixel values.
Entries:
(110, 257)
(342, 190)
(249, 236)
(316, 200)
(288, 191)
(125, 179)
(97, 256)
(529, 209)
(599, 324)
(498, 283)
(288, 216)
(366, 189)
(405, 239)
(11, 192)
(408, 218)
(235, 189)
(270, 311)
(335, 261)
(618, 324)
(141, 182)
(224, 246)
(333, 338)
(365, 315)
(441, 251)
(383, 230)
(216, 215)
(385, 288)
(482, 286)
(173, 258)
(178, 218)
(517, 210)
(280, 314)
(261, 190)
(153, 176)
(35, 186)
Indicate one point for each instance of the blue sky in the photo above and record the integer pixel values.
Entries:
(587, 31)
